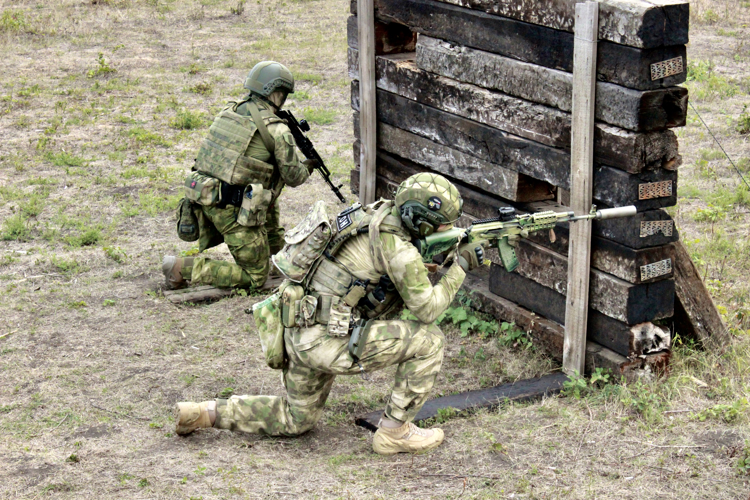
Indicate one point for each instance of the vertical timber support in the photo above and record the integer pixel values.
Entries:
(367, 116)
(581, 182)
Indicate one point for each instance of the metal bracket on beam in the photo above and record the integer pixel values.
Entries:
(656, 269)
(667, 68)
(651, 190)
(651, 227)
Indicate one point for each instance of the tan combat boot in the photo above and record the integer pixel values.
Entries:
(192, 416)
(406, 439)
(172, 266)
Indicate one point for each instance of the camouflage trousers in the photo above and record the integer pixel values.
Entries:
(251, 248)
(315, 359)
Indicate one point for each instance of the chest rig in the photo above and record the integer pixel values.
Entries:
(333, 296)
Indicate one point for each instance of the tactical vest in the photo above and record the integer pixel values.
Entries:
(222, 154)
(332, 295)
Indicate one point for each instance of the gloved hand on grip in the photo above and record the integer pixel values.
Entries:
(471, 255)
(310, 164)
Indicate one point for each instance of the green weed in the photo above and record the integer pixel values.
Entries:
(239, 8)
(87, 238)
(202, 88)
(705, 84)
(16, 227)
(66, 266)
(579, 387)
(226, 393)
(109, 302)
(320, 116)
(726, 413)
(186, 120)
(13, 21)
(512, 336)
(143, 136)
(117, 254)
(102, 67)
(743, 122)
(65, 159)
(743, 462)
(313, 78)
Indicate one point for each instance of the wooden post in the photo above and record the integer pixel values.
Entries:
(582, 175)
(367, 117)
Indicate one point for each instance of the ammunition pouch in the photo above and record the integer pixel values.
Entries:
(203, 189)
(188, 228)
(304, 245)
(254, 206)
(268, 320)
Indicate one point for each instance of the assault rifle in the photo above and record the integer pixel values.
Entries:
(306, 146)
(507, 224)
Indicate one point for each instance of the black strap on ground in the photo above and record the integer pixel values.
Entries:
(523, 390)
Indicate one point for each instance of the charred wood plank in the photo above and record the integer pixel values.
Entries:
(548, 335)
(703, 319)
(390, 38)
(639, 111)
(644, 265)
(522, 390)
(613, 146)
(636, 23)
(612, 187)
(627, 302)
(489, 177)
(619, 64)
(616, 335)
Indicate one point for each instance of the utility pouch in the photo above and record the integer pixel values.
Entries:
(267, 316)
(304, 244)
(187, 224)
(255, 202)
(291, 295)
(203, 189)
(339, 317)
(358, 340)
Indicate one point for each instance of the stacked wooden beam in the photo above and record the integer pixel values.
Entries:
(480, 91)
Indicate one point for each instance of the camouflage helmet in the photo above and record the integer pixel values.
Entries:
(426, 201)
(269, 76)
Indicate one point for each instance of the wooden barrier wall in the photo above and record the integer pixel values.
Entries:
(480, 91)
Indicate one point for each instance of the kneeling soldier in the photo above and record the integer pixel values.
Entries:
(367, 267)
(232, 193)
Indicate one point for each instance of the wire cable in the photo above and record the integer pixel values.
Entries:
(722, 147)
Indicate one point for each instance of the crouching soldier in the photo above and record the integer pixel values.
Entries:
(231, 195)
(326, 319)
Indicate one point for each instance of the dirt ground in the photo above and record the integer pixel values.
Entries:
(103, 104)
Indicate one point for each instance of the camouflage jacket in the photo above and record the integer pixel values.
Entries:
(393, 254)
(292, 172)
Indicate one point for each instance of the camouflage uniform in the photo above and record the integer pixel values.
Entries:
(250, 246)
(315, 357)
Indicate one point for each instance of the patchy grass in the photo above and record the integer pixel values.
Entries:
(93, 357)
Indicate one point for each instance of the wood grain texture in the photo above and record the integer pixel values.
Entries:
(368, 119)
(613, 146)
(548, 335)
(703, 319)
(636, 23)
(602, 329)
(612, 187)
(581, 186)
(627, 302)
(611, 257)
(639, 111)
(620, 64)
